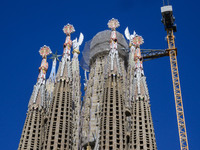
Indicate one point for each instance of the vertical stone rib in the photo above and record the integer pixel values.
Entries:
(113, 116)
(105, 95)
(76, 102)
(143, 137)
(60, 118)
(31, 133)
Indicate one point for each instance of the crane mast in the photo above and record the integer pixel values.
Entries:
(170, 27)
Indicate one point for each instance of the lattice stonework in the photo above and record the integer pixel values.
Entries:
(115, 112)
(142, 136)
(113, 116)
(92, 103)
(30, 138)
(60, 125)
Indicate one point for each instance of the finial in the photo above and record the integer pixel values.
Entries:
(68, 29)
(113, 24)
(45, 51)
(55, 56)
(138, 40)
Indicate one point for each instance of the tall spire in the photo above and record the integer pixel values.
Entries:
(139, 72)
(65, 69)
(52, 76)
(62, 130)
(142, 134)
(135, 63)
(33, 128)
(103, 125)
(44, 52)
(113, 24)
(50, 84)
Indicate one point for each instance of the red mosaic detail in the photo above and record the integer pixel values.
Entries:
(68, 29)
(138, 40)
(113, 23)
(44, 51)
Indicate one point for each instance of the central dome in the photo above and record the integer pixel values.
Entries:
(101, 44)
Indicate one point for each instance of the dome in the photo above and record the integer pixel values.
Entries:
(101, 44)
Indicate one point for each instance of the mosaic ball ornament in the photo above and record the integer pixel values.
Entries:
(113, 24)
(68, 29)
(138, 40)
(45, 51)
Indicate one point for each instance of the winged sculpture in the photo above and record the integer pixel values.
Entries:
(76, 44)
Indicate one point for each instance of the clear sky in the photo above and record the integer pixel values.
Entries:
(27, 25)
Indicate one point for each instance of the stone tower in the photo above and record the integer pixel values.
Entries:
(104, 102)
(115, 111)
(142, 134)
(31, 137)
(63, 119)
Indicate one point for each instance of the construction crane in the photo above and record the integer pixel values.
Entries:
(149, 54)
(168, 21)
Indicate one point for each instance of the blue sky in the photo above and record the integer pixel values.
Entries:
(28, 25)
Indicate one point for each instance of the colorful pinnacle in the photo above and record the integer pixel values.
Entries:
(113, 24)
(68, 29)
(138, 40)
(45, 51)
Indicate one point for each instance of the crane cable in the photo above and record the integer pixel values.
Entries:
(164, 2)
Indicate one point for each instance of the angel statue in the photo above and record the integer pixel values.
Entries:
(76, 45)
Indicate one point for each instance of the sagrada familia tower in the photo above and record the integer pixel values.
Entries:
(115, 111)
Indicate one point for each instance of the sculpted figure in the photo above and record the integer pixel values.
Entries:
(76, 45)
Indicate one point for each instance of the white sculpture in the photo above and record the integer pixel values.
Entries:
(76, 45)
(128, 36)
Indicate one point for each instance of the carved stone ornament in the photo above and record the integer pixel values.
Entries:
(138, 40)
(45, 51)
(113, 24)
(68, 29)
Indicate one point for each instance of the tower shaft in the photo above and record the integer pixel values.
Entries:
(142, 136)
(32, 131)
(92, 104)
(76, 96)
(64, 113)
(113, 115)
(60, 120)
(103, 114)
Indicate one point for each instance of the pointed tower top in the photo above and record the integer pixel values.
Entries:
(45, 51)
(138, 40)
(50, 82)
(68, 29)
(113, 24)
